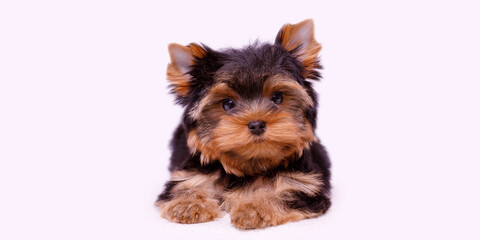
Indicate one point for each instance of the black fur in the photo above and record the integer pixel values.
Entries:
(166, 195)
(250, 66)
(319, 203)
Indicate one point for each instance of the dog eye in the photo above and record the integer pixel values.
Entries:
(277, 97)
(228, 104)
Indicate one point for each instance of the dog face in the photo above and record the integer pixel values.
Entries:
(252, 109)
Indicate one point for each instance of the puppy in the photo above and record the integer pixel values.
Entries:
(246, 143)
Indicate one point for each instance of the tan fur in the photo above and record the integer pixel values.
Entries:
(215, 95)
(231, 142)
(259, 204)
(308, 52)
(290, 89)
(241, 153)
(194, 208)
(301, 182)
(220, 135)
(179, 79)
(196, 50)
(193, 142)
(262, 203)
(195, 198)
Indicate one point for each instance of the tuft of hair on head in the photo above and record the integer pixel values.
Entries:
(178, 71)
(299, 40)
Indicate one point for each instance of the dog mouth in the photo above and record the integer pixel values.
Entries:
(258, 139)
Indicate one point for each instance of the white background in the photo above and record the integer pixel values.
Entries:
(85, 115)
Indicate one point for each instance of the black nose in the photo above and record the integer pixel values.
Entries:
(257, 127)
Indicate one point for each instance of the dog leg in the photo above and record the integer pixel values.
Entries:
(190, 197)
(273, 201)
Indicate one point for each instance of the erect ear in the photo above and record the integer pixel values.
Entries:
(299, 40)
(182, 60)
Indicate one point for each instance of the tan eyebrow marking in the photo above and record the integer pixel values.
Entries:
(288, 86)
(219, 90)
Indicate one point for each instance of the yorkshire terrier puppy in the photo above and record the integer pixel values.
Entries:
(246, 143)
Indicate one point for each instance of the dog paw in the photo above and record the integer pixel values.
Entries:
(250, 216)
(190, 210)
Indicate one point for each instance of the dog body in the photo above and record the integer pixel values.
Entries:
(246, 143)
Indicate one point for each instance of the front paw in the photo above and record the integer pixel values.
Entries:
(190, 210)
(251, 216)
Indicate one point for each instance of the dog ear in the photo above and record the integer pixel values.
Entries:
(299, 40)
(182, 60)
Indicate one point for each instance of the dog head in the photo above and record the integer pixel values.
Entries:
(253, 109)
